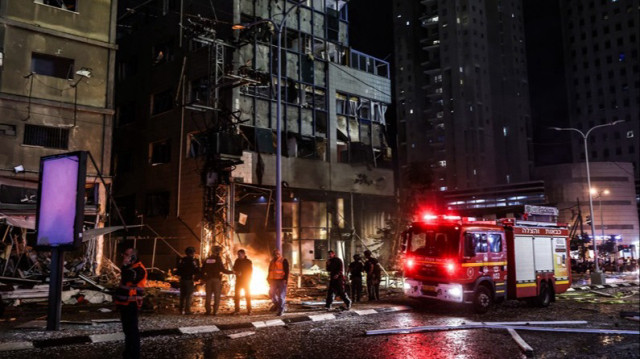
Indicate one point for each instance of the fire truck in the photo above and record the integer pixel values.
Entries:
(462, 260)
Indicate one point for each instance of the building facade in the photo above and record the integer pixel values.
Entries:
(614, 207)
(57, 60)
(200, 168)
(462, 92)
(603, 77)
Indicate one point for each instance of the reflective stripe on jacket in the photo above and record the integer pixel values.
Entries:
(131, 292)
(276, 269)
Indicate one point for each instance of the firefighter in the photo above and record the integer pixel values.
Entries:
(277, 278)
(128, 298)
(355, 274)
(336, 281)
(243, 268)
(188, 270)
(212, 270)
(372, 267)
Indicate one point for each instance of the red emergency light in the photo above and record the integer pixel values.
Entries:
(450, 267)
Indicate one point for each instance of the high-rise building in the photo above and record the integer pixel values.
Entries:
(195, 140)
(57, 60)
(462, 92)
(603, 77)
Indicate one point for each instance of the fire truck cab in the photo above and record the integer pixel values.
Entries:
(460, 260)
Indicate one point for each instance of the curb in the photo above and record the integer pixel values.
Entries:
(203, 329)
(602, 286)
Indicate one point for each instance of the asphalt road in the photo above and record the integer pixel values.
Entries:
(345, 336)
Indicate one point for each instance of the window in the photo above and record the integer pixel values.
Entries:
(49, 65)
(63, 4)
(159, 152)
(197, 144)
(50, 137)
(157, 204)
(482, 243)
(161, 102)
(319, 249)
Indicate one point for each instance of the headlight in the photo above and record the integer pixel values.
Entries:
(455, 292)
(407, 286)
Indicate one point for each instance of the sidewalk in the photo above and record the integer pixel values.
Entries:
(32, 334)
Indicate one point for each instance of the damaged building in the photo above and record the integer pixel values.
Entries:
(195, 142)
(57, 60)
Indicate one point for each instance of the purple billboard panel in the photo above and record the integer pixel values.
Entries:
(61, 200)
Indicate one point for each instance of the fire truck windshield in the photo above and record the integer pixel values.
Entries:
(434, 241)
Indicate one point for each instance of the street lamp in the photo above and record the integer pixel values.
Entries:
(599, 195)
(597, 277)
(278, 27)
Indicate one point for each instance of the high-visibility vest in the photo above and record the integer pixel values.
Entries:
(276, 269)
(130, 293)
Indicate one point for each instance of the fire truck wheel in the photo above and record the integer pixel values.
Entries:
(482, 299)
(544, 298)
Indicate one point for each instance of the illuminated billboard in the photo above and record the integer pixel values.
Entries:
(61, 200)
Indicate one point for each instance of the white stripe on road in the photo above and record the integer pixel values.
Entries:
(321, 317)
(268, 323)
(365, 311)
(111, 337)
(557, 322)
(15, 346)
(399, 308)
(240, 335)
(199, 329)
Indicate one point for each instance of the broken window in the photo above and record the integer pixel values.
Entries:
(49, 137)
(157, 204)
(70, 5)
(162, 53)
(365, 108)
(321, 123)
(159, 152)
(196, 144)
(161, 102)
(341, 103)
(49, 65)
(319, 99)
(200, 90)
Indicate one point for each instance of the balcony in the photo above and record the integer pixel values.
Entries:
(368, 63)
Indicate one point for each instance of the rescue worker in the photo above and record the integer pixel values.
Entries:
(277, 278)
(243, 268)
(212, 270)
(336, 281)
(372, 267)
(188, 270)
(355, 275)
(128, 299)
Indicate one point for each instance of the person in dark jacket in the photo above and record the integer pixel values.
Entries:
(277, 278)
(336, 281)
(373, 269)
(188, 270)
(128, 299)
(355, 275)
(243, 268)
(212, 270)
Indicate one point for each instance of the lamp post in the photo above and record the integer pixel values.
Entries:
(597, 277)
(599, 195)
(278, 27)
